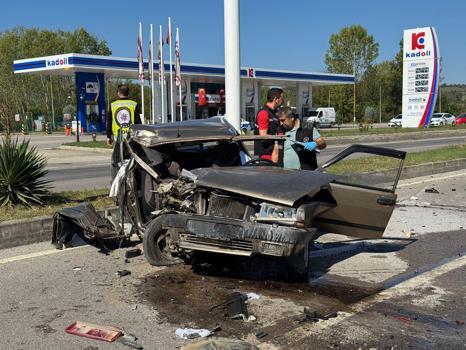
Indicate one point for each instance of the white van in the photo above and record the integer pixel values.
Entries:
(322, 116)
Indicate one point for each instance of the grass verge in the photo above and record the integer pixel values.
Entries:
(377, 131)
(376, 163)
(90, 144)
(98, 198)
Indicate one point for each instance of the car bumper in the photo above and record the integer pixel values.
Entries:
(235, 237)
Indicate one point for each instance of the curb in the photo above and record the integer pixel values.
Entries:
(19, 232)
(87, 149)
(26, 231)
(368, 138)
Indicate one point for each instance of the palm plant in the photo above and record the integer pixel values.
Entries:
(21, 173)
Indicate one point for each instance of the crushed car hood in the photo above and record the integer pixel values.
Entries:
(267, 183)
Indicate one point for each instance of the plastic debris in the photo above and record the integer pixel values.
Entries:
(192, 333)
(76, 268)
(261, 334)
(431, 190)
(93, 331)
(252, 296)
(123, 273)
(132, 253)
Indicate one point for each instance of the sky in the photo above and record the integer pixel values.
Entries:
(290, 34)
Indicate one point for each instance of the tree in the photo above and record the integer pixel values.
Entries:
(351, 51)
(26, 93)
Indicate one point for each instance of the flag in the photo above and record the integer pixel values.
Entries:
(151, 59)
(177, 60)
(140, 63)
(169, 32)
(160, 58)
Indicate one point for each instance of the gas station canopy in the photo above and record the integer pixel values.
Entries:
(127, 68)
(91, 71)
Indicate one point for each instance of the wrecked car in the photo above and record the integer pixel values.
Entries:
(193, 187)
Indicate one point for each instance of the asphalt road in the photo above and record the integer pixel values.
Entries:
(403, 291)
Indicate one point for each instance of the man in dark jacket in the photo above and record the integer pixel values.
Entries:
(299, 155)
(267, 123)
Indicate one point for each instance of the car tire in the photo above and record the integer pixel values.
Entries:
(298, 268)
(332, 124)
(441, 124)
(453, 123)
(155, 245)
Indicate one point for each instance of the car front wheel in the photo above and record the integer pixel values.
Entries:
(156, 245)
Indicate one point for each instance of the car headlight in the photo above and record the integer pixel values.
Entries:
(280, 214)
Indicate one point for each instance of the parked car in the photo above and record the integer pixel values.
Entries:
(461, 119)
(193, 187)
(395, 121)
(323, 116)
(440, 119)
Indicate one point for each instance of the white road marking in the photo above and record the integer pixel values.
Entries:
(402, 289)
(430, 179)
(37, 254)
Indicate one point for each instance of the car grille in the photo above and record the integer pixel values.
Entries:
(226, 207)
(233, 246)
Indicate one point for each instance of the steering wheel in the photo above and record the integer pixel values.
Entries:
(260, 161)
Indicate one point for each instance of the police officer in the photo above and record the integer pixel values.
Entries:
(267, 123)
(124, 112)
(299, 155)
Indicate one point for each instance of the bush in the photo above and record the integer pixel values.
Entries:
(21, 172)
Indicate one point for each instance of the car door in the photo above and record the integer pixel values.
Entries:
(365, 197)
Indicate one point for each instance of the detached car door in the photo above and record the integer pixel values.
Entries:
(365, 196)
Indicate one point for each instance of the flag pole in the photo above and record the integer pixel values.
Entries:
(169, 38)
(161, 75)
(178, 71)
(142, 79)
(151, 70)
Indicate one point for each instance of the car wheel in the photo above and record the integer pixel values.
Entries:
(298, 268)
(332, 124)
(155, 244)
(441, 124)
(453, 123)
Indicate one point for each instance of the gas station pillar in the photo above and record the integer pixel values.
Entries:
(303, 98)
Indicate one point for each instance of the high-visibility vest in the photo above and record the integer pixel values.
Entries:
(122, 116)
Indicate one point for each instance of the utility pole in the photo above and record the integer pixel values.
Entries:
(380, 104)
(51, 100)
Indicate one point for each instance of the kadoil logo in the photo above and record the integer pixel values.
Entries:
(418, 43)
(57, 62)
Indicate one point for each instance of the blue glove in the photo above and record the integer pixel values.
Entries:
(310, 146)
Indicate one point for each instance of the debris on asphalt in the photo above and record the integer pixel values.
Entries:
(252, 296)
(76, 268)
(219, 343)
(132, 253)
(129, 340)
(123, 273)
(93, 331)
(459, 322)
(315, 316)
(431, 190)
(453, 189)
(414, 198)
(235, 306)
(404, 319)
(192, 333)
(261, 334)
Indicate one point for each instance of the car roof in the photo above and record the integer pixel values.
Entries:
(211, 128)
